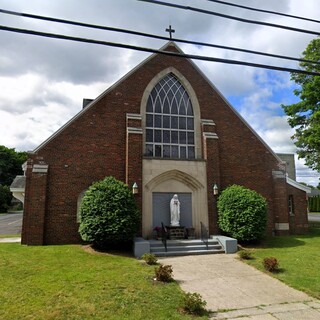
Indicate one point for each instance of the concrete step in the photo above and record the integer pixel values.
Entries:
(186, 253)
(185, 247)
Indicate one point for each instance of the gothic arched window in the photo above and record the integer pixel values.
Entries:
(169, 121)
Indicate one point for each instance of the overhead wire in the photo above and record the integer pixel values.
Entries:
(183, 7)
(143, 34)
(151, 50)
(264, 11)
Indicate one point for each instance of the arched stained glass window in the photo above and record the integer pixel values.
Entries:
(169, 121)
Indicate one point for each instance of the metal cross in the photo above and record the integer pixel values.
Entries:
(171, 31)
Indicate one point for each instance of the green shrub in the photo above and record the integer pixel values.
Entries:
(193, 303)
(242, 213)
(150, 258)
(5, 198)
(164, 273)
(108, 214)
(245, 254)
(271, 264)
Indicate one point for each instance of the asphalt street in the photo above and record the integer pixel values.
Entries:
(314, 217)
(10, 223)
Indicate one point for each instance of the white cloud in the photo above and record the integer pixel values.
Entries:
(43, 81)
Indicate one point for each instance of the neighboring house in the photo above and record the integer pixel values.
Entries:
(165, 128)
(17, 187)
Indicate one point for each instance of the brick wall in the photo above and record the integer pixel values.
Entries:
(97, 144)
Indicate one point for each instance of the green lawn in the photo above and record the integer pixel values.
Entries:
(67, 282)
(299, 259)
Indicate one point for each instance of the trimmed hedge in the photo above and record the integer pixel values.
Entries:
(242, 213)
(314, 204)
(108, 214)
(5, 198)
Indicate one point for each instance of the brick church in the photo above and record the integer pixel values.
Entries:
(166, 129)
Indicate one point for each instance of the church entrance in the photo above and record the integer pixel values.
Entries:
(161, 208)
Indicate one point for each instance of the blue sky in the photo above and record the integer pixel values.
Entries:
(43, 81)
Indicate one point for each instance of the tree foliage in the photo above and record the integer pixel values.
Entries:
(242, 213)
(108, 213)
(5, 198)
(10, 164)
(304, 115)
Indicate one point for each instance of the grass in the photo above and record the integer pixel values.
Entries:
(67, 282)
(298, 258)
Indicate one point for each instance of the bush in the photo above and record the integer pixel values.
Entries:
(271, 264)
(5, 198)
(242, 213)
(245, 254)
(150, 258)
(164, 273)
(108, 214)
(193, 303)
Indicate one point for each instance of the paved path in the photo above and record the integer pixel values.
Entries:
(8, 240)
(235, 290)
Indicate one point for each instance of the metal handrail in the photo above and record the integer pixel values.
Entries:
(164, 235)
(204, 234)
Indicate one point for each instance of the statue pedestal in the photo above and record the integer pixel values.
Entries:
(175, 233)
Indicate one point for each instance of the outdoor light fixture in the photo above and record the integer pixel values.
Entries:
(215, 189)
(135, 188)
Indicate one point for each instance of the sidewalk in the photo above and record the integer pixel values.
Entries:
(8, 240)
(235, 290)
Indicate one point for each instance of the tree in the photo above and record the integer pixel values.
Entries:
(242, 213)
(304, 115)
(10, 164)
(108, 214)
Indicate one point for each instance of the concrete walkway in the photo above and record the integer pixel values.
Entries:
(234, 290)
(8, 240)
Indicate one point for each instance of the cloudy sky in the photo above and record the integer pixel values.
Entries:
(43, 81)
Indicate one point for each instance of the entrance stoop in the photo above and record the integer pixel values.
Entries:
(185, 247)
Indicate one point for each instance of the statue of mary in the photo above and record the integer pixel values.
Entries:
(175, 211)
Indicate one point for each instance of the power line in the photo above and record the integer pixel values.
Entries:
(87, 25)
(229, 17)
(264, 11)
(150, 50)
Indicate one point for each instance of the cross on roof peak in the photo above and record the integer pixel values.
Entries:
(171, 31)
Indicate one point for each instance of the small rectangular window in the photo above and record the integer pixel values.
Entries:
(182, 137)
(166, 121)
(149, 150)
(191, 153)
(157, 151)
(291, 205)
(174, 122)
(166, 136)
(149, 135)
(166, 151)
(182, 122)
(149, 120)
(174, 137)
(175, 152)
(157, 121)
(157, 135)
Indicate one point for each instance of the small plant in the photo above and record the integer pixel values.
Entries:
(150, 258)
(271, 264)
(245, 254)
(194, 304)
(164, 273)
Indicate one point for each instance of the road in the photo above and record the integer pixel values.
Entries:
(313, 217)
(10, 223)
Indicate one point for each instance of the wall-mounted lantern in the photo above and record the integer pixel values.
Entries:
(215, 190)
(135, 189)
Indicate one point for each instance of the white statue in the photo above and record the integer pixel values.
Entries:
(175, 211)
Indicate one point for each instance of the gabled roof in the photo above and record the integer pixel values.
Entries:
(168, 44)
(298, 185)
